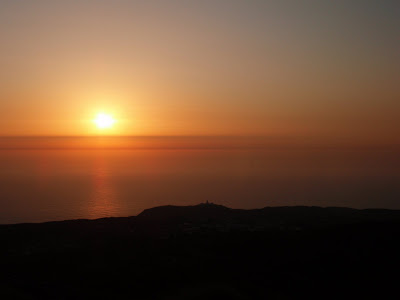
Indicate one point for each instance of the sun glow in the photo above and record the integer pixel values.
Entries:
(104, 121)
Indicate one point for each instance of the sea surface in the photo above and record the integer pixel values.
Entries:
(48, 179)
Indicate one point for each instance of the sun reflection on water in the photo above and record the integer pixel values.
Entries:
(103, 201)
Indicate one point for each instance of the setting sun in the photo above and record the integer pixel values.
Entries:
(104, 121)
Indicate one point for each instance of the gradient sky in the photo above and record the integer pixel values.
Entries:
(210, 67)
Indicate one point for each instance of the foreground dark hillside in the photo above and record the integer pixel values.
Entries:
(206, 252)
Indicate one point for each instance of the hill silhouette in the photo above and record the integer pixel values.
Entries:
(205, 251)
(293, 214)
(218, 217)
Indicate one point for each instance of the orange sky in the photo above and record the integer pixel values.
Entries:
(209, 68)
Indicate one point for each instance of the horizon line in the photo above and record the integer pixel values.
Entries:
(147, 135)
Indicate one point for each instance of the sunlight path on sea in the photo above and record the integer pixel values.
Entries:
(103, 201)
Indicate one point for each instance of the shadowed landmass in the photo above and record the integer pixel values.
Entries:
(205, 251)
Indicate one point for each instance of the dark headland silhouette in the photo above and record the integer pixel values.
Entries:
(206, 251)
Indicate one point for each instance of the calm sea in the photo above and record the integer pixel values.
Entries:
(46, 179)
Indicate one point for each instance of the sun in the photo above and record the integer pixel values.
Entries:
(104, 121)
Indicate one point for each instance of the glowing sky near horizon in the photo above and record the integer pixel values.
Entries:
(298, 68)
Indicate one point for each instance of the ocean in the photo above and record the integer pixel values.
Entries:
(50, 179)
